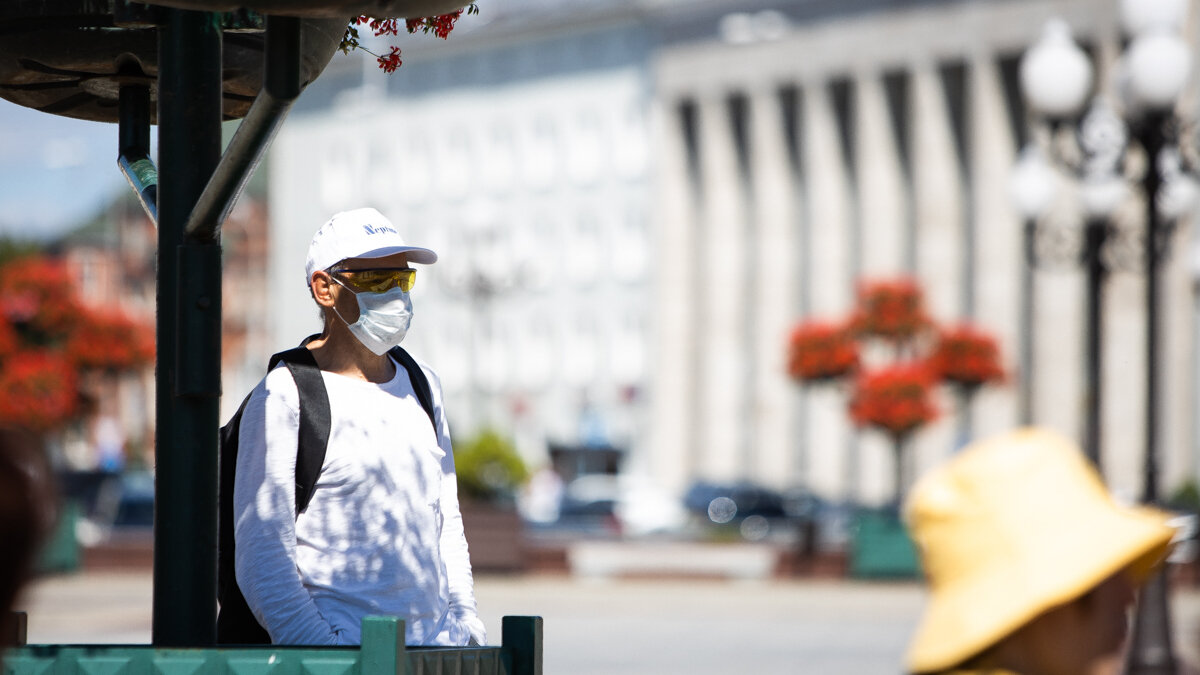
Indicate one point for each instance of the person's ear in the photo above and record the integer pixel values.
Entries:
(322, 288)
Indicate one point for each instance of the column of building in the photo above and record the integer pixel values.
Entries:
(777, 276)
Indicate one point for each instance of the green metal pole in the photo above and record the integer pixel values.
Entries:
(189, 308)
(522, 637)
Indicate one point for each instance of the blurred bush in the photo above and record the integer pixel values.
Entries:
(1186, 498)
(489, 468)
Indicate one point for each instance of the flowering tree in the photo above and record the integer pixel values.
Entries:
(894, 397)
(48, 338)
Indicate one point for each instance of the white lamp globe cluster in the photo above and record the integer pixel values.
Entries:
(1154, 69)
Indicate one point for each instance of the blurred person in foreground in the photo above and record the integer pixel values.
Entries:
(27, 516)
(1032, 566)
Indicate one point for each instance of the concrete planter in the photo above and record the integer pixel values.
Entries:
(496, 537)
(881, 547)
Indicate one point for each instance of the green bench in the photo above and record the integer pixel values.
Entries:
(382, 652)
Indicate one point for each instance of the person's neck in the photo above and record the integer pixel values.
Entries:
(338, 351)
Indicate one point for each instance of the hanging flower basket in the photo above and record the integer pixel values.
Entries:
(37, 390)
(8, 339)
(967, 356)
(896, 399)
(48, 338)
(36, 298)
(893, 310)
(821, 351)
(110, 342)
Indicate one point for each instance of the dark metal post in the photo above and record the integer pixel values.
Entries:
(1151, 652)
(281, 87)
(134, 146)
(1026, 395)
(1151, 137)
(1095, 234)
(185, 518)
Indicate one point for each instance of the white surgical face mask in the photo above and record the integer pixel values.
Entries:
(383, 318)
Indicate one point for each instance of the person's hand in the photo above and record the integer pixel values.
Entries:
(478, 631)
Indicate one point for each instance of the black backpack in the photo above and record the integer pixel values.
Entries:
(235, 622)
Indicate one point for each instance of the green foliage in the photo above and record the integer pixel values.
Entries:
(1186, 497)
(489, 468)
(13, 249)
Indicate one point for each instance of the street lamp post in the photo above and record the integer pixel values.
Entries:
(1151, 76)
(1095, 235)
(1151, 652)
(1032, 190)
(1102, 192)
(1056, 77)
(1154, 71)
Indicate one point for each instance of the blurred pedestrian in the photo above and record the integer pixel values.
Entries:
(27, 516)
(1032, 566)
(382, 533)
(110, 444)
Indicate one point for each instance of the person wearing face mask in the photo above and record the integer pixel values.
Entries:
(382, 533)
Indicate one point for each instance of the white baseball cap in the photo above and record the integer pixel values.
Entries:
(361, 233)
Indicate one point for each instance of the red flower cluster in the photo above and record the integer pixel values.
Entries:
(966, 355)
(38, 390)
(391, 61)
(110, 342)
(381, 26)
(38, 295)
(893, 310)
(896, 399)
(440, 25)
(8, 339)
(47, 336)
(821, 351)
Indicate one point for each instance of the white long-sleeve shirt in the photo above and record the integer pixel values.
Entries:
(383, 533)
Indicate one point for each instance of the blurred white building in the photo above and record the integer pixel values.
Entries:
(634, 200)
(526, 165)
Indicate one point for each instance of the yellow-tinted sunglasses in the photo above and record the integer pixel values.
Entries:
(378, 280)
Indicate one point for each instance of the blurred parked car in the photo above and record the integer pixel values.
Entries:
(136, 505)
(757, 513)
(619, 504)
(107, 501)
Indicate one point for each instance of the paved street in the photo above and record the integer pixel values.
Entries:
(607, 627)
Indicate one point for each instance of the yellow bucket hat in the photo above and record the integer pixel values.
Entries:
(1011, 527)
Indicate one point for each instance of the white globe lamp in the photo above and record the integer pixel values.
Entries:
(1055, 74)
(1140, 16)
(1033, 184)
(1157, 67)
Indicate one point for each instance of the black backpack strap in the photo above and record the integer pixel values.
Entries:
(235, 622)
(314, 420)
(420, 383)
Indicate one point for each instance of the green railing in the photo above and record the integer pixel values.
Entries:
(382, 653)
